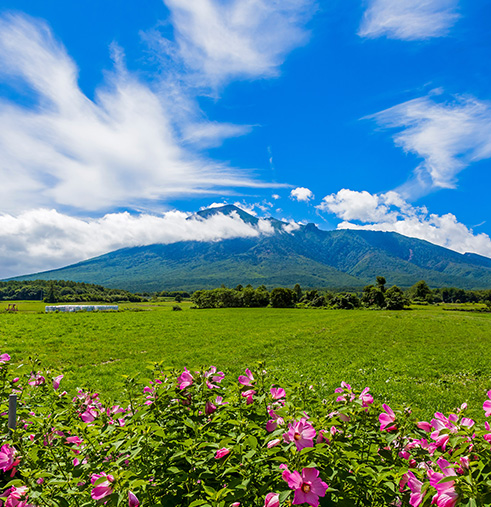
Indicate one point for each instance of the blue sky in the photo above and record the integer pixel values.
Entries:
(119, 118)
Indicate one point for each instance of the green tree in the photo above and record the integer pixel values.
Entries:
(381, 283)
(282, 298)
(395, 299)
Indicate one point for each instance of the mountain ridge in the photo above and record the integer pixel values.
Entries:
(339, 259)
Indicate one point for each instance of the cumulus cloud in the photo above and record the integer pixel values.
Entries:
(221, 40)
(408, 19)
(390, 212)
(122, 148)
(448, 136)
(43, 239)
(302, 194)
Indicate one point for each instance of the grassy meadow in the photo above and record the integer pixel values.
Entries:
(430, 358)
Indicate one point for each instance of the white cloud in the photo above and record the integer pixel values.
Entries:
(389, 212)
(123, 148)
(43, 239)
(225, 39)
(408, 19)
(302, 194)
(447, 136)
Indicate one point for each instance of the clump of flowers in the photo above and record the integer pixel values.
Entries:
(175, 441)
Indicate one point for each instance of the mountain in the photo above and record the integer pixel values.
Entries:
(342, 259)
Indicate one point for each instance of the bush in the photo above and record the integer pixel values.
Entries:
(202, 438)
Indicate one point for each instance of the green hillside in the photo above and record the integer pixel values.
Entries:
(347, 259)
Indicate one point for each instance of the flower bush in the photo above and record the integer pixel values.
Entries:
(203, 438)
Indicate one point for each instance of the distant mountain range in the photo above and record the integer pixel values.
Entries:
(341, 259)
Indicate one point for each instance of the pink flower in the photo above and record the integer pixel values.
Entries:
(185, 379)
(89, 415)
(302, 433)
(415, 486)
(308, 486)
(17, 497)
(56, 382)
(222, 452)
(272, 500)
(387, 418)
(102, 487)
(36, 380)
(216, 377)
(247, 379)
(132, 500)
(273, 443)
(277, 393)
(487, 436)
(248, 394)
(4, 358)
(425, 426)
(74, 440)
(487, 405)
(7, 457)
(365, 397)
(446, 496)
(210, 408)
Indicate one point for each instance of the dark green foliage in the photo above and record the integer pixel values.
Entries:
(231, 298)
(61, 291)
(373, 297)
(282, 297)
(421, 292)
(395, 299)
(344, 301)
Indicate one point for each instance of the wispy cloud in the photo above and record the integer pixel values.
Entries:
(448, 136)
(124, 148)
(408, 19)
(390, 212)
(222, 40)
(43, 239)
(302, 194)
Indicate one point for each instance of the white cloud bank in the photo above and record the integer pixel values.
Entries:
(43, 239)
(122, 149)
(302, 194)
(389, 212)
(409, 19)
(226, 39)
(448, 136)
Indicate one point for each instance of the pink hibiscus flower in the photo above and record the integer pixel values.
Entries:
(308, 486)
(222, 452)
(446, 496)
(101, 488)
(185, 379)
(132, 500)
(277, 393)
(272, 500)
(302, 433)
(247, 379)
(387, 418)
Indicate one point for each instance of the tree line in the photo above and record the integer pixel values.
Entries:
(376, 295)
(61, 291)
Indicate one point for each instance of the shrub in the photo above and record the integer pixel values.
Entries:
(202, 438)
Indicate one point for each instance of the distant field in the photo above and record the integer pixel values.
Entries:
(425, 357)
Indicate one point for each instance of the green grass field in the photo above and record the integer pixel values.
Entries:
(426, 357)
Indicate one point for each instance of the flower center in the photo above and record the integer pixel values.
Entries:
(297, 436)
(305, 487)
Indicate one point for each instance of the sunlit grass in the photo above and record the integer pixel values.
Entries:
(426, 357)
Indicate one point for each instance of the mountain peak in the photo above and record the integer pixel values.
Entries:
(228, 209)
